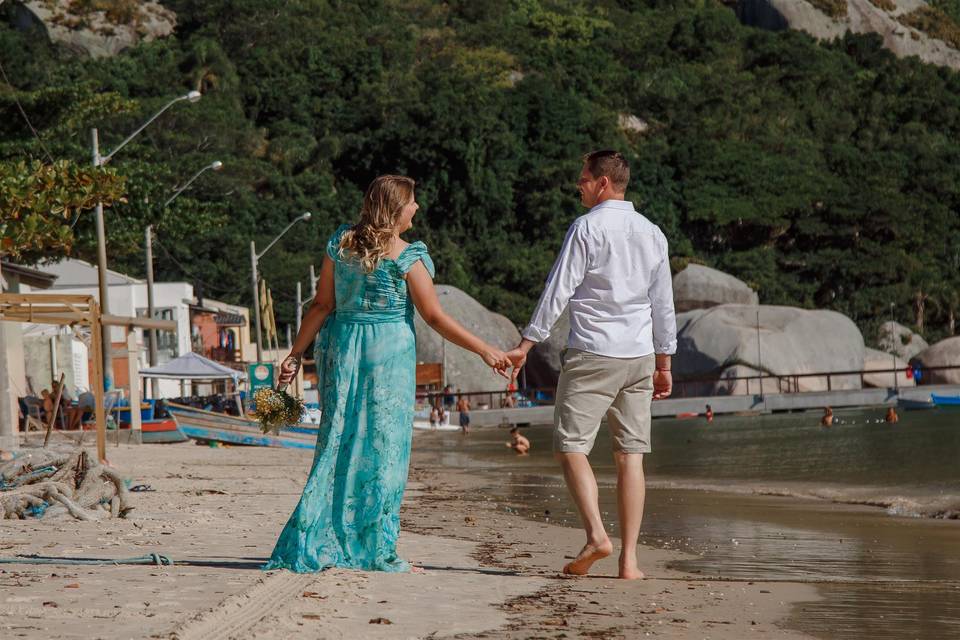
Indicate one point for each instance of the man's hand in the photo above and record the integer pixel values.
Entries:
(662, 384)
(289, 368)
(518, 356)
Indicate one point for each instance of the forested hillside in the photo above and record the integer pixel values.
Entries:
(825, 175)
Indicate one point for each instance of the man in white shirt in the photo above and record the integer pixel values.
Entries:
(614, 274)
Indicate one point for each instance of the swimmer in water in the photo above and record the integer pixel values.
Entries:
(827, 419)
(891, 416)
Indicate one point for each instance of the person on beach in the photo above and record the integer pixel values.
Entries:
(370, 282)
(518, 442)
(463, 407)
(613, 273)
(891, 416)
(708, 414)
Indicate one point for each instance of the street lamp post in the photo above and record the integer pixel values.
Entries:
(99, 161)
(254, 259)
(148, 241)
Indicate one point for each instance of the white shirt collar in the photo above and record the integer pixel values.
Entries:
(622, 205)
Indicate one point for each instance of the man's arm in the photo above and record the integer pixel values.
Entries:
(664, 325)
(565, 276)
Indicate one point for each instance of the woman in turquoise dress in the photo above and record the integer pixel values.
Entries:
(370, 283)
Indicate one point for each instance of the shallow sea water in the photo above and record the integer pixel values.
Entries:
(861, 509)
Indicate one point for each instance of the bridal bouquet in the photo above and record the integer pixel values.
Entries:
(276, 408)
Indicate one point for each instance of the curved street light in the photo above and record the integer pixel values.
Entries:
(99, 161)
(216, 165)
(254, 258)
(213, 166)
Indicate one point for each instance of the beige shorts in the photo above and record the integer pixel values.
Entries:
(592, 386)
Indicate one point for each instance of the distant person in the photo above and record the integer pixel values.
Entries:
(613, 277)
(891, 416)
(86, 404)
(47, 404)
(448, 399)
(518, 442)
(709, 414)
(435, 416)
(463, 406)
(443, 416)
(827, 419)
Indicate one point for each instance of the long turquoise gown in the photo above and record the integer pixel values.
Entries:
(349, 513)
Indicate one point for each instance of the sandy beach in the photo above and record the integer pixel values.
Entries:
(216, 512)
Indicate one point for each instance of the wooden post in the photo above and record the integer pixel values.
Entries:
(53, 414)
(96, 342)
(133, 370)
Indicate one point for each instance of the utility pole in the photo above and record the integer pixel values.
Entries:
(152, 333)
(107, 351)
(256, 298)
(313, 282)
(299, 306)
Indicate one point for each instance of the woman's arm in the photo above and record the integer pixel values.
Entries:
(425, 299)
(323, 303)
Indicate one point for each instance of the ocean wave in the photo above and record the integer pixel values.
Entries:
(896, 501)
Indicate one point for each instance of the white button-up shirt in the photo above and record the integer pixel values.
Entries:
(614, 272)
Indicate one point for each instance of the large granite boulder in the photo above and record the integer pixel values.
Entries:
(86, 29)
(874, 360)
(700, 287)
(945, 353)
(895, 338)
(465, 370)
(890, 20)
(724, 342)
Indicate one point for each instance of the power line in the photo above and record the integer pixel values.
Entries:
(23, 113)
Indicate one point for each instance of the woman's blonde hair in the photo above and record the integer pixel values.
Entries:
(368, 241)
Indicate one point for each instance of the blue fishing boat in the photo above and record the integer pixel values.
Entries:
(163, 431)
(945, 401)
(207, 426)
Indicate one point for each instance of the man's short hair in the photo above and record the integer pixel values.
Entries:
(609, 163)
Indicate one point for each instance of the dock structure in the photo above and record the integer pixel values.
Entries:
(753, 403)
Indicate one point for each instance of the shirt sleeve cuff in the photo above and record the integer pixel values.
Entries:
(533, 334)
(667, 349)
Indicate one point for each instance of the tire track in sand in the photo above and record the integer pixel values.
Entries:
(235, 616)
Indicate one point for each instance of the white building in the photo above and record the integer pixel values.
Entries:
(215, 329)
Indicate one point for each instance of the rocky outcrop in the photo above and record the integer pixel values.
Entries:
(700, 287)
(895, 338)
(874, 360)
(94, 33)
(945, 353)
(723, 342)
(829, 19)
(465, 370)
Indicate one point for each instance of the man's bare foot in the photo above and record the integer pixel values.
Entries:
(588, 555)
(631, 573)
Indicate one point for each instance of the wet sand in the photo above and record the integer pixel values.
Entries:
(491, 572)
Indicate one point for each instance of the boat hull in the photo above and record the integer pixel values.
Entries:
(207, 426)
(945, 401)
(163, 431)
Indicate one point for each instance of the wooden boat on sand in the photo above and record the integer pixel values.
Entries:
(164, 430)
(207, 426)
